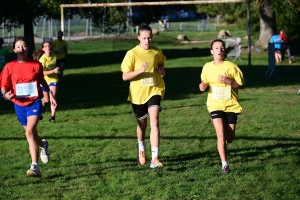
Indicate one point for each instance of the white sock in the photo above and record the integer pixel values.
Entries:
(224, 163)
(142, 145)
(154, 152)
(35, 163)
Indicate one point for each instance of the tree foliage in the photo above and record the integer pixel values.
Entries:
(287, 14)
(15, 13)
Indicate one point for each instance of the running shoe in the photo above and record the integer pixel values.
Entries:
(34, 171)
(141, 157)
(45, 156)
(52, 119)
(155, 163)
(225, 170)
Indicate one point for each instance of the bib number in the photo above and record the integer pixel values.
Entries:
(221, 93)
(148, 79)
(24, 90)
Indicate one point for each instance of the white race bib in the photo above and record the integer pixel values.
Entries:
(221, 93)
(24, 90)
(148, 79)
(1, 59)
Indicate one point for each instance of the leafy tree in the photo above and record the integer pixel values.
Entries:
(15, 13)
(267, 17)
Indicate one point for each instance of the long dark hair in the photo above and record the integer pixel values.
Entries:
(20, 38)
(37, 54)
(227, 50)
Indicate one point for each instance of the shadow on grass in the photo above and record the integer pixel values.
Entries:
(84, 91)
(76, 61)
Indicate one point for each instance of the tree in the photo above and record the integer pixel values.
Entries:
(15, 13)
(267, 23)
(267, 17)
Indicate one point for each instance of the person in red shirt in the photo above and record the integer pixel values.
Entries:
(285, 45)
(20, 83)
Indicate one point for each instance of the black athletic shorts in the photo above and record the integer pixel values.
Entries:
(141, 111)
(229, 117)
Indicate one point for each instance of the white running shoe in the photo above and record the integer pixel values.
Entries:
(45, 156)
(34, 171)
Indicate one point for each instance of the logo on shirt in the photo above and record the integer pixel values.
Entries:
(34, 110)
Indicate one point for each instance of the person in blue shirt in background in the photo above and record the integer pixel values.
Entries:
(277, 44)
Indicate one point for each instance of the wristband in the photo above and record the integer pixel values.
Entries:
(50, 92)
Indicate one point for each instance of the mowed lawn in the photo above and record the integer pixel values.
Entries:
(93, 142)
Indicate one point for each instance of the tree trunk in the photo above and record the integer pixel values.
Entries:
(267, 23)
(29, 34)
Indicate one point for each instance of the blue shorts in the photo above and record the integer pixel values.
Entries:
(32, 109)
(51, 84)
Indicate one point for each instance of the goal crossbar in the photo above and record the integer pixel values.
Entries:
(160, 3)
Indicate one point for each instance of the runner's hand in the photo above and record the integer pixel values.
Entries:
(202, 86)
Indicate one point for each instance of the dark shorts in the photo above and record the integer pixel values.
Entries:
(278, 50)
(141, 111)
(229, 117)
(61, 60)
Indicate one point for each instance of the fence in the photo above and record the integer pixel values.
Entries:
(78, 27)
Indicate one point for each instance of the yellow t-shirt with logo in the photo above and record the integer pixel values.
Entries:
(60, 46)
(49, 63)
(149, 83)
(221, 96)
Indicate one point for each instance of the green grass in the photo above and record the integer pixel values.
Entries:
(93, 143)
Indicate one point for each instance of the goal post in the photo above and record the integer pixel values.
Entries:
(160, 3)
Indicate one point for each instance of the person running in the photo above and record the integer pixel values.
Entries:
(286, 46)
(223, 78)
(144, 67)
(60, 48)
(277, 45)
(20, 83)
(51, 71)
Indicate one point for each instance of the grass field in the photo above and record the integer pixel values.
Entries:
(93, 142)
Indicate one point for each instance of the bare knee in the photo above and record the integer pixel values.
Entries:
(154, 123)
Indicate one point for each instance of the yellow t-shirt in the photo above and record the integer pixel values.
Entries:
(49, 63)
(149, 83)
(221, 96)
(60, 46)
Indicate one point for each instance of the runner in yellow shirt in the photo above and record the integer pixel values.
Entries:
(223, 78)
(144, 67)
(51, 72)
(60, 48)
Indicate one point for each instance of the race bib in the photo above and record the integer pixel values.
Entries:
(221, 93)
(24, 90)
(148, 79)
(1, 59)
